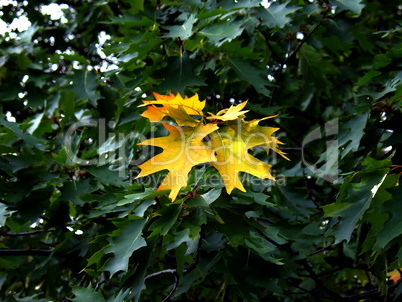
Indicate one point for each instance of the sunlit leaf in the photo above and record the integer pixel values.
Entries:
(233, 157)
(231, 113)
(183, 149)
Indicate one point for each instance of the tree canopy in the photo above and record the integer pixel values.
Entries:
(83, 88)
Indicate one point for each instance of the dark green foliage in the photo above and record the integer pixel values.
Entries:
(75, 223)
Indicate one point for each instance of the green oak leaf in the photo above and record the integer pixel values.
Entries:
(168, 217)
(125, 240)
(393, 227)
(136, 197)
(314, 66)
(276, 14)
(351, 133)
(220, 33)
(30, 140)
(179, 74)
(352, 5)
(355, 198)
(251, 74)
(85, 84)
(181, 31)
(84, 294)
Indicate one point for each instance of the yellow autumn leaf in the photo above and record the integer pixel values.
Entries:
(180, 115)
(231, 113)
(182, 118)
(183, 148)
(161, 97)
(192, 106)
(255, 135)
(226, 148)
(274, 146)
(232, 158)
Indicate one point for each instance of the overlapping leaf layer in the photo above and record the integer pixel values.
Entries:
(221, 139)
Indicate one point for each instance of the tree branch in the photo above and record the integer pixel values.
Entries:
(166, 271)
(176, 284)
(278, 73)
(185, 271)
(326, 248)
(303, 41)
(33, 252)
(23, 233)
(313, 275)
(370, 293)
(306, 265)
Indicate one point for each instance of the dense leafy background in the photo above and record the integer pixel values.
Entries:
(76, 226)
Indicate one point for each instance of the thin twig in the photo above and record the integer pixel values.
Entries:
(303, 41)
(185, 271)
(306, 265)
(33, 252)
(173, 270)
(370, 293)
(320, 250)
(278, 73)
(292, 283)
(23, 233)
(313, 275)
(176, 284)
(166, 271)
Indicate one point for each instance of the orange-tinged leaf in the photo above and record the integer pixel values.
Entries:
(161, 97)
(394, 275)
(182, 118)
(183, 148)
(232, 158)
(154, 114)
(232, 113)
(226, 150)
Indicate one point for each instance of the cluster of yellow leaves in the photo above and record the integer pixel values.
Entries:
(221, 139)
